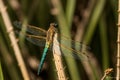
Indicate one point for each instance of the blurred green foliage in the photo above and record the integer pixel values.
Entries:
(88, 21)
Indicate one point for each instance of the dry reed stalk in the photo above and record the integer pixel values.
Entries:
(106, 73)
(118, 45)
(58, 60)
(11, 35)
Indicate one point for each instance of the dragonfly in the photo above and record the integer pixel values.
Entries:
(38, 35)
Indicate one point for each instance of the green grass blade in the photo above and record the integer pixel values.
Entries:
(70, 11)
(65, 29)
(1, 73)
(93, 21)
(104, 43)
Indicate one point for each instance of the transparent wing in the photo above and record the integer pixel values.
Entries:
(79, 53)
(36, 40)
(31, 29)
(68, 51)
(75, 44)
(78, 49)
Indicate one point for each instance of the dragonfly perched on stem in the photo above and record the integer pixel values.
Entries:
(38, 35)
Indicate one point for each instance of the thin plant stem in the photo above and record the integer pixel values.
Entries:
(104, 42)
(106, 73)
(8, 60)
(81, 25)
(118, 44)
(1, 73)
(11, 35)
(57, 59)
(93, 21)
(65, 29)
(70, 11)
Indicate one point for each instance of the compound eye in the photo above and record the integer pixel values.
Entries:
(54, 24)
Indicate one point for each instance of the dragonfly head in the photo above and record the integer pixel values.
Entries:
(54, 24)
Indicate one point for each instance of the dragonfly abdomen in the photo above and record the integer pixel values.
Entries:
(43, 58)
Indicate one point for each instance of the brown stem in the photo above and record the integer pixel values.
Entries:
(11, 35)
(58, 60)
(118, 45)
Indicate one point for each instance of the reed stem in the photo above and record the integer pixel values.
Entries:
(58, 60)
(118, 45)
(11, 35)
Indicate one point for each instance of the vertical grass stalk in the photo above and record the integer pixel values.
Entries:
(1, 73)
(65, 29)
(11, 35)
(93, 21)
(118, 45)
(57, 59)
(104, 43)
